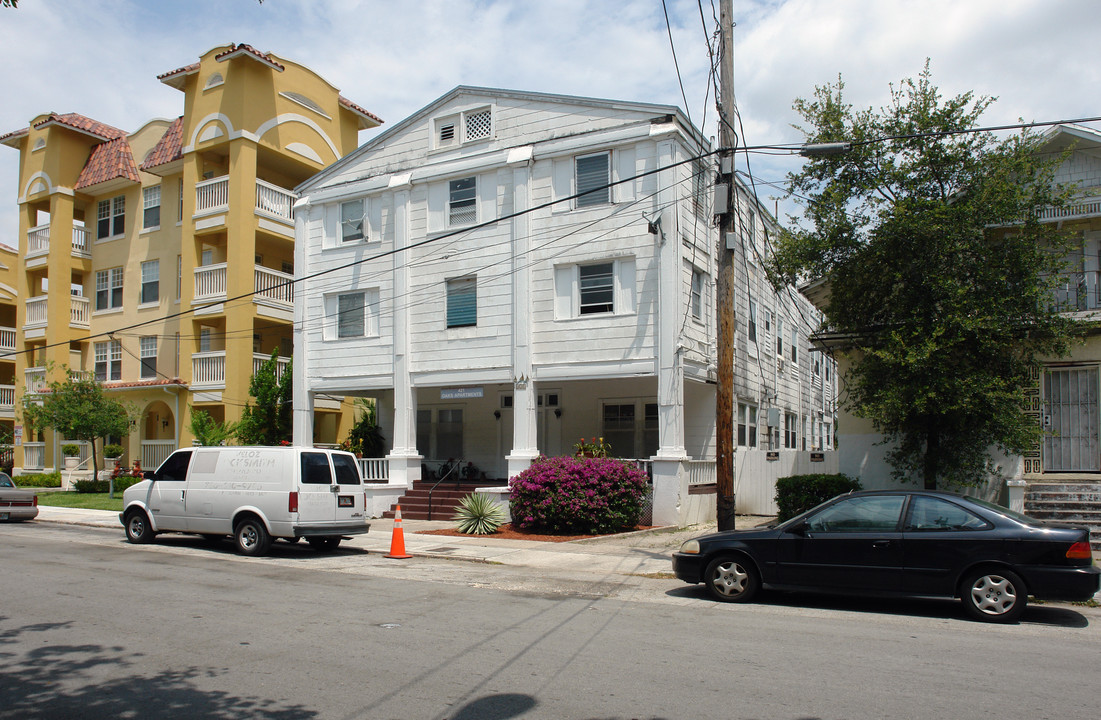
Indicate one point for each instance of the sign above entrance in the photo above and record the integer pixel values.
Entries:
(466, 393)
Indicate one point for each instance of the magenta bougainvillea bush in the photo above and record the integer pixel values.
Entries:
(570, 495)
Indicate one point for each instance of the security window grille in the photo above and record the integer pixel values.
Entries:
(109, 288)
(351, 315)
(747, 425)
(593, 176)
(351, 220)
(150, 281)
(462, 206)
(462, 302)
(697, 295)
(111, 217)
(597, 287)
(148, 357)
(151, 207)
(478, 125)
(108, 360)
(1071, 420)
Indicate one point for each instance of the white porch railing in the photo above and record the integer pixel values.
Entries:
(258, 359)
(85, 451)
(374, 470)
(80, 240)
(80, 311)
(7, 397)
(701, 472)
(274, 286)
(7, 338)
(38, 240)
(154, 452)
(274, 200)
(36, 311)
(212, 195)
(209, 369)
(210, 282)
(34, 379)
(1078, 208)
(34, 455)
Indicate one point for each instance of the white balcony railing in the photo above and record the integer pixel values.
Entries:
(7, 338)
(274, 286)
(38, 240)
(36, 311)
(7, 397)
(34, 455)
(80, 240)
(80, 311)
(274, 200)
(281, 363)
(212, 195)
(210, 282)
(374, 470)
(208, 369)
(154, 452)
(34, 379)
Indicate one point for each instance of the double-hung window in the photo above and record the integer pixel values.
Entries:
(752, 320)
(794, 345)
(697, 295)
(462, 205)
(111, 217)
(109, 289)
(351, 220)
(593, 173)
(597, 287)
(150, 281)
(352, 314)
(747, 425)
(108, 360)
(148, 357)
(462, 302)
(151, 207)
(791, 431)
(779, 337)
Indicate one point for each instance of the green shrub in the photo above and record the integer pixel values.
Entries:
(102, 486)
(70, 450)
(798, 493)
(112, 451)
(478, 514)
(38, 480)
(568, 495)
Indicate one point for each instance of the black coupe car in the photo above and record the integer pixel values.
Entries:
(917, 543)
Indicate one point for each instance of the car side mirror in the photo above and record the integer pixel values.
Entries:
(149, 474)
(800, 528)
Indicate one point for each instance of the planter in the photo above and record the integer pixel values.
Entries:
(110, 464)
(71, 462)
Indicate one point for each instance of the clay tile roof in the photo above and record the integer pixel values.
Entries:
(83, 124)
(9, 138)
(169, 148)
(357, 109)
(242, 48)
(109, 161)
(186, 69)
(124, 385)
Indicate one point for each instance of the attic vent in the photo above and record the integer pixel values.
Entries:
(213, 80)
(447, 133)
(478, 125)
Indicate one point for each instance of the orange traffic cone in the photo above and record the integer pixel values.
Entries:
(397, 540)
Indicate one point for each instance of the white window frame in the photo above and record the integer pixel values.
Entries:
(460, 124)
(696, 295)
(747, 425)
(751, 321)
(462, 210)
(567, 289)
(150, 283)
(457, 290)
(350, 230)
(113, 212)
(148, 346)
(332, 307)
(109, 281)
(109, 355)
(151, 200)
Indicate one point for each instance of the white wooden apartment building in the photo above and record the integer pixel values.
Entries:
(472, 270)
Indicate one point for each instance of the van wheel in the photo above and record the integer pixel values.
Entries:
(138, 530)
(324, 544)
(251, 537)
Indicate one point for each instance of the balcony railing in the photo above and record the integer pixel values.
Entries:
(34, 455)
(281, 363)
(212, 195)
(7, 338)
(1081, 207)
(274, 286)
(80, 311)
(34, 379)
(374, 470)
(208, 369)
(274, 200)
(701, 472)
(80, 240)
(1078, 291)
(38, 240)
(154, 452)
(7, 397)
(210, 282)
(36, 311)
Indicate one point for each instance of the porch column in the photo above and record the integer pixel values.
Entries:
(671, 310)
(405, 461)
(524, 398)
(302, 412)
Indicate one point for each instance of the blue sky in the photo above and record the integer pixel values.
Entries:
(100, 58)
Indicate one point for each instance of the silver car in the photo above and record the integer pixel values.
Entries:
(16, 503)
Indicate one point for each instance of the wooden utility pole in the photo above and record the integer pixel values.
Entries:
(724, 282)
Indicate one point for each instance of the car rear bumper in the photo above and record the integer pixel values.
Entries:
(1062, 583)
(333, 529)
(688, 567)
(18, 512)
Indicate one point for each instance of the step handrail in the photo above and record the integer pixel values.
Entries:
(452, 469)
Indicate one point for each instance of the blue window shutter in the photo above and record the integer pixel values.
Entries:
(462, 302)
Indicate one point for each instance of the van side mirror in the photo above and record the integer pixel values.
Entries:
(148, 474)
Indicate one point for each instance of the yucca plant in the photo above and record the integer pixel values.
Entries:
(477, 514)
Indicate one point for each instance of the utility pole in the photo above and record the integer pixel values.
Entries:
(724, 282)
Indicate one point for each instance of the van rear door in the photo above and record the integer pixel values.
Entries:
(328, 493)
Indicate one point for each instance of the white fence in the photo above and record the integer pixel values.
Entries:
(755, 476)
(212, 195)
(154, 452)
(210, 282)
(374, 470)
(34, 455)
(208, 368)
(274, 286)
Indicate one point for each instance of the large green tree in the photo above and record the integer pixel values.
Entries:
(939, 273)
(78, 409)
(269, 421)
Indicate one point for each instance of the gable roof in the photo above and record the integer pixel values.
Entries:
(460, 90)
(111, 160)
(168, 149)
(82, 124)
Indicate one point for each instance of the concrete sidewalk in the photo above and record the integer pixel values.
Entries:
(644, 552)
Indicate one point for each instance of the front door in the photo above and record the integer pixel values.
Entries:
(1070, 420)
(167, 497)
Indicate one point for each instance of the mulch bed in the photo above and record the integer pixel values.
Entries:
(507, 532)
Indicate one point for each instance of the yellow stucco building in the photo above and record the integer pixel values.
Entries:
(160, 260)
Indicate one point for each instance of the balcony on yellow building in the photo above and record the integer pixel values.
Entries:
(7, 400)
(208, 370)
(80, 312)
(272, 288)
(281, 363)
(7, 340)
(212, 196)
(34, 379)
(38, 241)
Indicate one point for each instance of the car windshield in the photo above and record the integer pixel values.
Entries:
(1001, 510)
(6, 481)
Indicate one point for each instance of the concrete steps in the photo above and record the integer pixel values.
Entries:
(1078, 503)
(415, 503)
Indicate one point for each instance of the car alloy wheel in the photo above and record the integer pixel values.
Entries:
(731, 580)
(994, 595)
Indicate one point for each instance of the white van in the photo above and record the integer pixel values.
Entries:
(254, 494)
